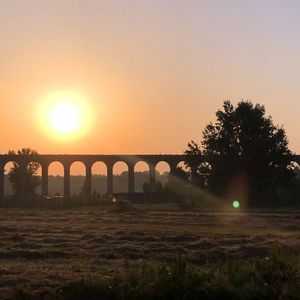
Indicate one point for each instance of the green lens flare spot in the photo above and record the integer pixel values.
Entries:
(236, 204)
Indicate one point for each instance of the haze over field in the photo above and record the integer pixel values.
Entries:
(167, 64)
(99, 183)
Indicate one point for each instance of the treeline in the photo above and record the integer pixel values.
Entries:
(56, 183)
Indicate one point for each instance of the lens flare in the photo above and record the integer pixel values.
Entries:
(236, 204)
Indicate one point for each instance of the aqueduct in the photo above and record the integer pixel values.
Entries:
(89, 160)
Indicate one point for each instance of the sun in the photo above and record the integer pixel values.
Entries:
(65, 117)
(65, 114)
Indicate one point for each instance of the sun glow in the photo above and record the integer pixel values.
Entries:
(65, 115)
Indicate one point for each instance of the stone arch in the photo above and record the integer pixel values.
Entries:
(56, 178)
(163, 166)
(162, 170)
(78, 171)
(181, 164)
(120, 171)
(295, 164)
(99, 177)
(141, 176)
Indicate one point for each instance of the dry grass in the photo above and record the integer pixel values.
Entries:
(43, 249)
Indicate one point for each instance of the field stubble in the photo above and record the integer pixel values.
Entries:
(43, 249)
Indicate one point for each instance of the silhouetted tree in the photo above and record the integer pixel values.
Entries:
(31, 180)
(246, 155)
(196, 164)
(292, 195)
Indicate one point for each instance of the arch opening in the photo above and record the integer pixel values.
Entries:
(162, 169)
(77, 178)
(141, 177)
(120, 177)
(99, 178)
(56, 179)
(295, 166)
(182, 172)
(183, 166)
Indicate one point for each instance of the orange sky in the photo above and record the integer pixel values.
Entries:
(153, 72)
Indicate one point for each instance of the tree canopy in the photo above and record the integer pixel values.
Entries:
(244, 155)
(31, 180)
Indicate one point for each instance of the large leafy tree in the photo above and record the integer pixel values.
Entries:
(31, 180)
(246, 155)
(196, 164)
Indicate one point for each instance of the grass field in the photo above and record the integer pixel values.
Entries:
(42, 251)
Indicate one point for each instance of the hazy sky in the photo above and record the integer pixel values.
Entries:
(154, 72)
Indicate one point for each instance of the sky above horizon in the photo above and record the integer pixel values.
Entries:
(151, 73)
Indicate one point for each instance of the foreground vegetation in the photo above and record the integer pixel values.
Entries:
(107, 253)
(272, 277)
(275, 276)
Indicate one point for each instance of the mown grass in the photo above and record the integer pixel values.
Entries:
(104, 253)
(275, 276)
